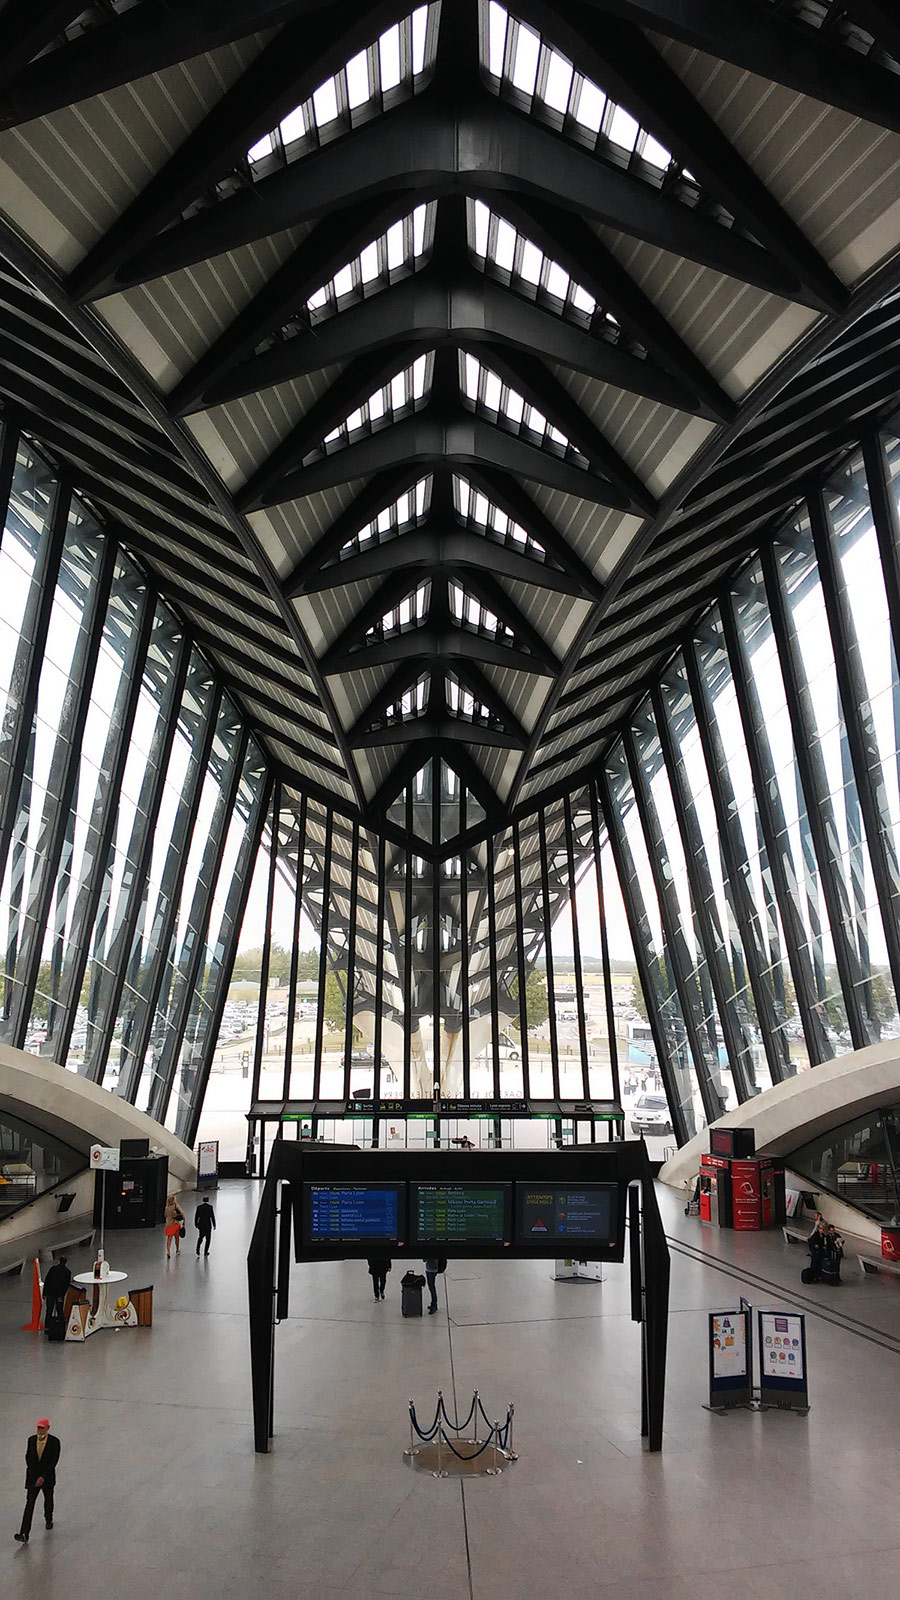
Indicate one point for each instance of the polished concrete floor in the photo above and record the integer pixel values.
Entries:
(160, 1494)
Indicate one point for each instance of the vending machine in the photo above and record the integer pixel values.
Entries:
(715, 1190)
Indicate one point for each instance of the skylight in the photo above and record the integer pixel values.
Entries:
(402, 249)
(409, 613)
(497, 243)
(411, 703)
(476, 510)
(469, 611)
(405, 512)
(521, 61)
(488, 393)
(405, 391)
(391, 69)
(463, 704)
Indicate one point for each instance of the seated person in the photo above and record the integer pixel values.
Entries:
(831, 1257)
(817, 1244)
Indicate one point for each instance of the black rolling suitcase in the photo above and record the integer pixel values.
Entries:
(411, 1286)
(55, 1326)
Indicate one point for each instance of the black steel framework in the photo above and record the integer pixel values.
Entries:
(440, 481)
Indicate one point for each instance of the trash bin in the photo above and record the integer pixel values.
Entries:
(890, 1243)
(411, 1286)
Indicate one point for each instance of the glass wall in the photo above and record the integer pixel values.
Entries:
(131, 807)
(747, 822)
(31, 1162)
(753, 807)
(859, 1162)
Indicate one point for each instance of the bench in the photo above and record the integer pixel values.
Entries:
(795, 1233)
(13, 1263)
(873, 1263)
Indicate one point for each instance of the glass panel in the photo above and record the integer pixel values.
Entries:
(31, 1162)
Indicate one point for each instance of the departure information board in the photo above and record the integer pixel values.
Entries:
(444, 1212)
(347, 1213)
(576, 1213)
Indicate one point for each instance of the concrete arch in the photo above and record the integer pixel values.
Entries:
(81, 1113)
(811, 1104)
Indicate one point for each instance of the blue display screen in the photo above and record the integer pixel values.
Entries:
(344, 1213)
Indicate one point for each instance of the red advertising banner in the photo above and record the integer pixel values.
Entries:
(746, 1196)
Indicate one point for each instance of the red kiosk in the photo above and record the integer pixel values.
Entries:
(739, 1189)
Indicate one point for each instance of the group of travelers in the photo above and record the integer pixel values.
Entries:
(379, 1267)
(826, 1247)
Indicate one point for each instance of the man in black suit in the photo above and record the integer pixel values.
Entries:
(41, 1458)
(204, 1222)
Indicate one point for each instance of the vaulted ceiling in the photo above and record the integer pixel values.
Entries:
(438, 362)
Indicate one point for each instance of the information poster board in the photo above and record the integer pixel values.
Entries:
(782, 1359)
(207, 1164)
(730, 1376)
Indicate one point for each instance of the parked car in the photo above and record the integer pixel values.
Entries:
(650, 1114)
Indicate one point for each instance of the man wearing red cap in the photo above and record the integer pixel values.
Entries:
(41, 1457)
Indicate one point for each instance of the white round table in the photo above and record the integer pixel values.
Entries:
(104, 1317)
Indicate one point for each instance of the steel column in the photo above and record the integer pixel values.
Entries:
(641, 944)
(819, 808)
(548, 953)
(704, 904)
(193, 951)
(186, 1124)
(604, 951)
(259, 1040)
(576, 951)
(323, 956)
(862, 739)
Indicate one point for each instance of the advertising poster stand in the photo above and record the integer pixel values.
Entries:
(782, 1380)
(782, 1361)
(730, 1360)
(208, 1164)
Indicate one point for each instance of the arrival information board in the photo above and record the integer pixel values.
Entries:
(448, 1211)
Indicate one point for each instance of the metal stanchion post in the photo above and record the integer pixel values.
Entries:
(475, 1413)
(496, 1430)
(440, 1470)
(511, 1411)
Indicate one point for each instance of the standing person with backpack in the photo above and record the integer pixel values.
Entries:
(433, 1266)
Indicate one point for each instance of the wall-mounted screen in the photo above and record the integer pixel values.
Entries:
(576, 1213)
(447, 1213)
(354, 1213)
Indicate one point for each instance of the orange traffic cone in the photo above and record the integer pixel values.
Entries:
(36, 1323)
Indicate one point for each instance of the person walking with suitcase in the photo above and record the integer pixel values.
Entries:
(41, 1460)
(56, 1286)
(204, 1222)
